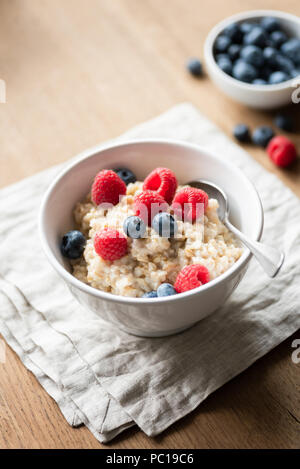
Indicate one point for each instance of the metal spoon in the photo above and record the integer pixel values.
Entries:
(269, 258)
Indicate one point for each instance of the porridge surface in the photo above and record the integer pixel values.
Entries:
(152, 260)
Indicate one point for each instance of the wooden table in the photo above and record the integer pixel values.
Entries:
(79, 72)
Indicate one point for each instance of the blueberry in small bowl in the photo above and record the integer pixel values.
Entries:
(254, 57)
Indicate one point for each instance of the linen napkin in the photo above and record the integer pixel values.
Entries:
(107, 379)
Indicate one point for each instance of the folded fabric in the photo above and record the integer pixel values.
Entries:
(107, 379)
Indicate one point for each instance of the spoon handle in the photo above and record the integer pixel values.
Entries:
(269, 258)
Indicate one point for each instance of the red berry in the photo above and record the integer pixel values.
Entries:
(190, 203)
(107, 188)
(163, 181)
(191, 276)
(110, 244)
(147, 204)
(282, 151)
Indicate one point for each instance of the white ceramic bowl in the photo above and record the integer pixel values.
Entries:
(141, 316)
(256, 96)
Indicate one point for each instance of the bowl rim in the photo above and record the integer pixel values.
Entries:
(91, 152)
(219, 27)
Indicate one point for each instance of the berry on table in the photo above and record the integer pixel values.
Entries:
(150, 294)
(107, 187)
(241, 133)
(126, 175)
(278, 77)
(284, 122)
(165, 225)
(194, 66)
(244, 71)
(73, 244)
(147, 204)
(134, 227)
(282, 151)
(190, 203)
(163, 181)
(110, 244)
(166, 289)
(262, 135)
(190, 277)
(252, 55)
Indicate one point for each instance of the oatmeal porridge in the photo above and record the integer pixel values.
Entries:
(194, 251)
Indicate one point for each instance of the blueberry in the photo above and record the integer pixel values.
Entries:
(126, 175)
(165, 225)
(269, 54)
(291, 49)
(278, 77)
(295, 73)
(72, 244)
(194, 66)
(234, 51)
(265, 73)
(283, 64)
(256, 37)
(222, 43)
(150, 294)
(134, 227)
(252, 55)
(234, 33)
(166, 289)
(241, 133)
(259, 81)
(244, 72)
(247, 27)
(284, 122)
(222, 56)
(277, 38)
(262, 135)
(270, 24)
(224, 63)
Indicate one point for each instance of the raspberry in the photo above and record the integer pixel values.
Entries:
(191, 276)
(147, 204)
(282, 151)
(190, 203)
(163, 181)
(110, 244)
(107, 188)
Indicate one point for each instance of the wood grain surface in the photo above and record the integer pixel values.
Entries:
(79, 72)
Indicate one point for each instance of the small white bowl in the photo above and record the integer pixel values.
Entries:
(141, 316)
(256, 96)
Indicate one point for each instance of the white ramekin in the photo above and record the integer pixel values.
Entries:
(140, 316)
(256, 96)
